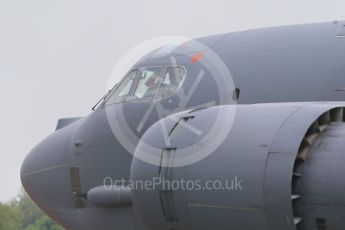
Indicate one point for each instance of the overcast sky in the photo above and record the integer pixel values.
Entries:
(56, 55)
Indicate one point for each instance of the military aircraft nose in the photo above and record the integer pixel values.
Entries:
(45, 176)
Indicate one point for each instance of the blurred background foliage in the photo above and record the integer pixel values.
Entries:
(22, 214)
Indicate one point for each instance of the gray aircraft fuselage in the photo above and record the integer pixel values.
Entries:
(289, 86)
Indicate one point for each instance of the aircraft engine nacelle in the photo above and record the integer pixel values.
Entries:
(279, 166)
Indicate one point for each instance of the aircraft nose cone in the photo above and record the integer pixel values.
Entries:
(45, 176)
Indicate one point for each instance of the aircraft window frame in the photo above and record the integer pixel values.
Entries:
(158, 97)
(139, 74)
(115, 88)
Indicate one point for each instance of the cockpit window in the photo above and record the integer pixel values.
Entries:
(148, 82)
(120, 92)
(172, 81)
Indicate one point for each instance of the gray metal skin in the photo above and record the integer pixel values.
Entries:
(302, 63)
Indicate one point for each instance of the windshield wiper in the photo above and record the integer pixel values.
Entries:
(94, 107)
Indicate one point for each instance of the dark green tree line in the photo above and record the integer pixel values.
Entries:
(22, 214)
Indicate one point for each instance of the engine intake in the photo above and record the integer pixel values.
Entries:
(287, 160)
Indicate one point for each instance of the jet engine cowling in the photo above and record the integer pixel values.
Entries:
(279, 166)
